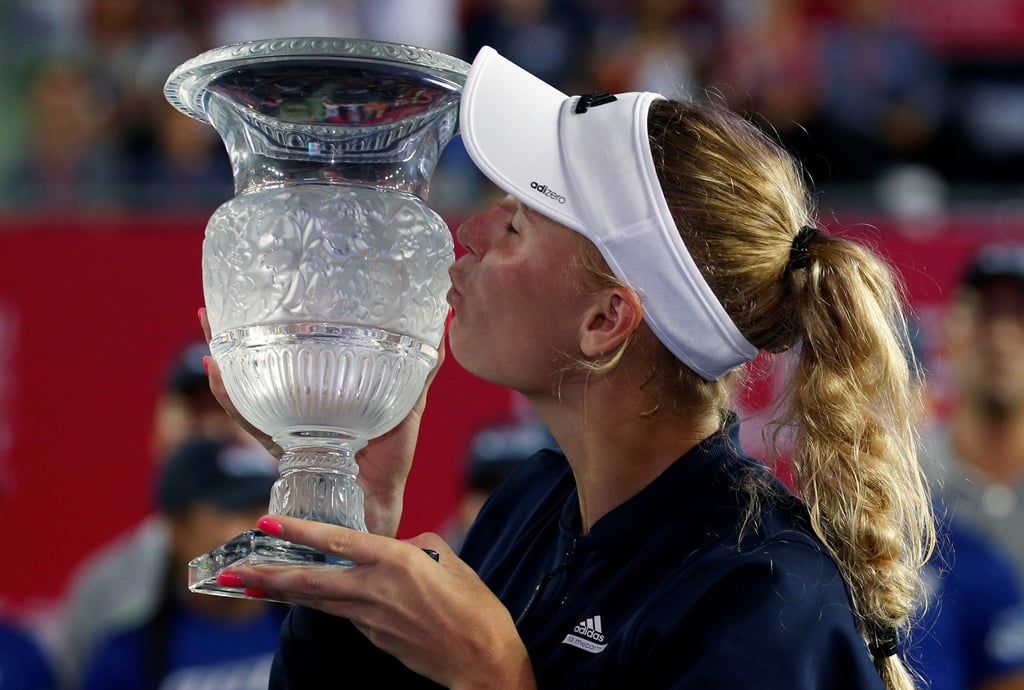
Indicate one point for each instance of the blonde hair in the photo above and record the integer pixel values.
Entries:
(739, 201)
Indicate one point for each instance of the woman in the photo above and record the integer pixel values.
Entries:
(646, 251)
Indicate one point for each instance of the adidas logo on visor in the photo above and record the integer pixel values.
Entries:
(587, 635)
(550, 193)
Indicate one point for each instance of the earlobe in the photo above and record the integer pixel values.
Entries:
(610, 321)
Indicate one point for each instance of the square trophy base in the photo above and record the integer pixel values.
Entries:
(252, 548)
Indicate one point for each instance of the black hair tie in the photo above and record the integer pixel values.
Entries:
(884, 643)
(800, 251)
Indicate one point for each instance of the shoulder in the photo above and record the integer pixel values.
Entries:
(774, 579)
(785, 574)
(122, 575)
(776, 616)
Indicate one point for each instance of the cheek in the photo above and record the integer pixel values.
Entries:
(519, 318)
(508, 342)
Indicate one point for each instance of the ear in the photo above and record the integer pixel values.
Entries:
(614, 315)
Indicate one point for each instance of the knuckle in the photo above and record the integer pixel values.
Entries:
(339, 542)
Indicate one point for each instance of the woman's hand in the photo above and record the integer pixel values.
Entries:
(384, 464)
(221, 394)
(438, 618)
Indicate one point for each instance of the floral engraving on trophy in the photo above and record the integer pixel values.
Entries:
(325, 253)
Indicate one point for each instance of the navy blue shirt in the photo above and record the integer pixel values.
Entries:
(672, 589)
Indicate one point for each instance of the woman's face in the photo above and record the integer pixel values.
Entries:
(518, 297)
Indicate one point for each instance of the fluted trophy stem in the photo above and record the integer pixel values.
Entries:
(325, 276)
(320, 485)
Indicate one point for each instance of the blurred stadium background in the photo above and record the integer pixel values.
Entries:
(908, 117)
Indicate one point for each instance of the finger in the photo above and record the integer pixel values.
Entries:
(316, 586)
(204, 322)
(422, 400)
(442, 350)
(221, 394)
(218, 389)
(359, 547)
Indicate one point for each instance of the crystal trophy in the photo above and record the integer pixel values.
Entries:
(325, 276)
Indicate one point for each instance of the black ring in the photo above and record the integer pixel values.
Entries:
(885, 643)
(800, 250)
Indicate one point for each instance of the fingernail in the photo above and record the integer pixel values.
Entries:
(206, 364)
(270, 526)
(229, 580)
(199, 313)
(448, 319)
(255, 593)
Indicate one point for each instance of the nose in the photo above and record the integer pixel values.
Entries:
(474, 234)
(469, 234)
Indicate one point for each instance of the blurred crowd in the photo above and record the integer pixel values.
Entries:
(874, 110)
(877, 114)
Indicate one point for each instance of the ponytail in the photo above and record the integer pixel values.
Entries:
(851, 409)
(852, 415)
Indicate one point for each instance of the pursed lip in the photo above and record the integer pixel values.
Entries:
(454, 294)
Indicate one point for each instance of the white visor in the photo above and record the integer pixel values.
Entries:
(585, 161)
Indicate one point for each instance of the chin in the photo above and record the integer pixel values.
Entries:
(475, 357)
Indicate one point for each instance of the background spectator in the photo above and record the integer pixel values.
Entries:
(971, 634)
(767, 63)
(122, 582)
(550, 38)
(209, 492)
(72, 162)
(977, 451)
(666, 48)
(87, 133)
(883, 97)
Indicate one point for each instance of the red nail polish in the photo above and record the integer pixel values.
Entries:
(270, 526)
(255, 593)
(229, 580)
(206, 364)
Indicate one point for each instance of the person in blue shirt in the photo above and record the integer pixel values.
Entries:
(971, 633)
(206, 488)
(646, 252)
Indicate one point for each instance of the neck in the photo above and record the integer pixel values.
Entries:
(614, 443)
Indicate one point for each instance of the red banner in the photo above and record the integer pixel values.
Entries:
(93, 310)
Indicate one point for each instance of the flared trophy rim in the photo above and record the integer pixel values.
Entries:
(186, 87)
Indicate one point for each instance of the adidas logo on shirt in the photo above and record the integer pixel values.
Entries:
(587, 635)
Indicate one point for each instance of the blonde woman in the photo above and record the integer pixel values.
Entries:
(646, 252)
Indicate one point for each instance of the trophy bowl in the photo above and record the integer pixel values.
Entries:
(325, 275)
